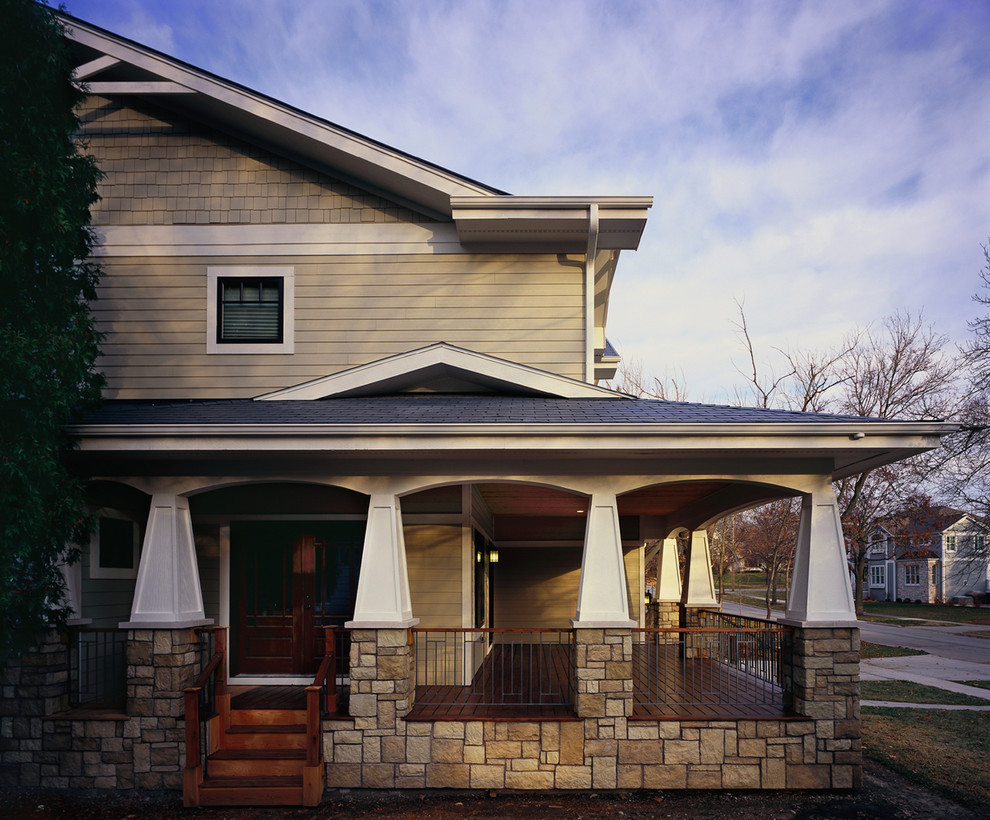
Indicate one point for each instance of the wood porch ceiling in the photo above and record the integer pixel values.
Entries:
(527, 499)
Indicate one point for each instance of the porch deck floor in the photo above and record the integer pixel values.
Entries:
(514, 682)
(669, 687)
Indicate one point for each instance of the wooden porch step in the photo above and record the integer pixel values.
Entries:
(255, 763)
(254, 717)
(256, 791)
(266, 736)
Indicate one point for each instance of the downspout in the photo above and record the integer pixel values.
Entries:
(591, 254)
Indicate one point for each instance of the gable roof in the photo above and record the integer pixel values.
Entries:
(111, 65)
(441, 368)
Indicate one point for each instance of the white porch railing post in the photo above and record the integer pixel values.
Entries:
(383, 600)
(603, 599)
(167, 593)
(820, 593)
(699, 585)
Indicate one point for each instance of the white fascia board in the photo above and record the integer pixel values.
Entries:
(468, 362)
(688, 436)
(266, 110)
(610, 204)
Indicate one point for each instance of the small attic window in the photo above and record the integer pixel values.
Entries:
(249, 310)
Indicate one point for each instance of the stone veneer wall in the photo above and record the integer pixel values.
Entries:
(602, 748)
(43, 745)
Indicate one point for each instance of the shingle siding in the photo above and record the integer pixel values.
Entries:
(160, 170)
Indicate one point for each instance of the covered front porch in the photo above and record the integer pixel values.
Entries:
(493, 592)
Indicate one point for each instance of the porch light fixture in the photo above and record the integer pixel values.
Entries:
(493, 556)
(649, 599)
(477, 557)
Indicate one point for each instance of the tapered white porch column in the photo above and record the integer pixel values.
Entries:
(668, 573)
(820, 593)
(699, 585)
(167, 593)
(603, 599)
(383, 600)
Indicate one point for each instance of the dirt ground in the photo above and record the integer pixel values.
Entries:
(884, 795)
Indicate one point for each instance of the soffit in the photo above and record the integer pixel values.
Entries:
(561, 224)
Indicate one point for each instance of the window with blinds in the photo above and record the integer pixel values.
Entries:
(249, 309)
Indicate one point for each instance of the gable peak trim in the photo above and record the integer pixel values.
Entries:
(401, 370)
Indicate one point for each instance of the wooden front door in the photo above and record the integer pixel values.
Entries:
(287, 584)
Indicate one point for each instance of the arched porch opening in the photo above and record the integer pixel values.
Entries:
(679, 556)
(278, 563)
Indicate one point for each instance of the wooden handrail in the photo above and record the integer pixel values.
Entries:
(216, 668)
(208, 670)
(314, 710)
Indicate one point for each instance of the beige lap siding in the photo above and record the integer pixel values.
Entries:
(348, 311)
(538, 586)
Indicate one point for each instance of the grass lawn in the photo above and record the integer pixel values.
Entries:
(981, 684)
(878, 650)
(904, 691)
(754, 600)
(929, 612)
(746, 580)
(946, 751)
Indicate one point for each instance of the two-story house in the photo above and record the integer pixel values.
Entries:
(351, 390)
(938, 556)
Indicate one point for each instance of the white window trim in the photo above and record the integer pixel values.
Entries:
(98, 572)
(287, 276)
(907, 576)
(878, 571)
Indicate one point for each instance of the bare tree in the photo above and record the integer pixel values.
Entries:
(976, 354)
(807, 380)
(630, 379)
(766, 537)
(722, 542)
(897, 370)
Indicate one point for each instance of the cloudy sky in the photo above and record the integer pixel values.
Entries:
(825, 163)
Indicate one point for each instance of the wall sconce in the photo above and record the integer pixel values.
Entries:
(477, 557)
(649, 599)
(493, 556)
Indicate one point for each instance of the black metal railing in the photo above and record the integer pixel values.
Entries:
(520, 669)
(97, 667)
(738, 667)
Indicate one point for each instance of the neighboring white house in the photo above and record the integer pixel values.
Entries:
(965, 560)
